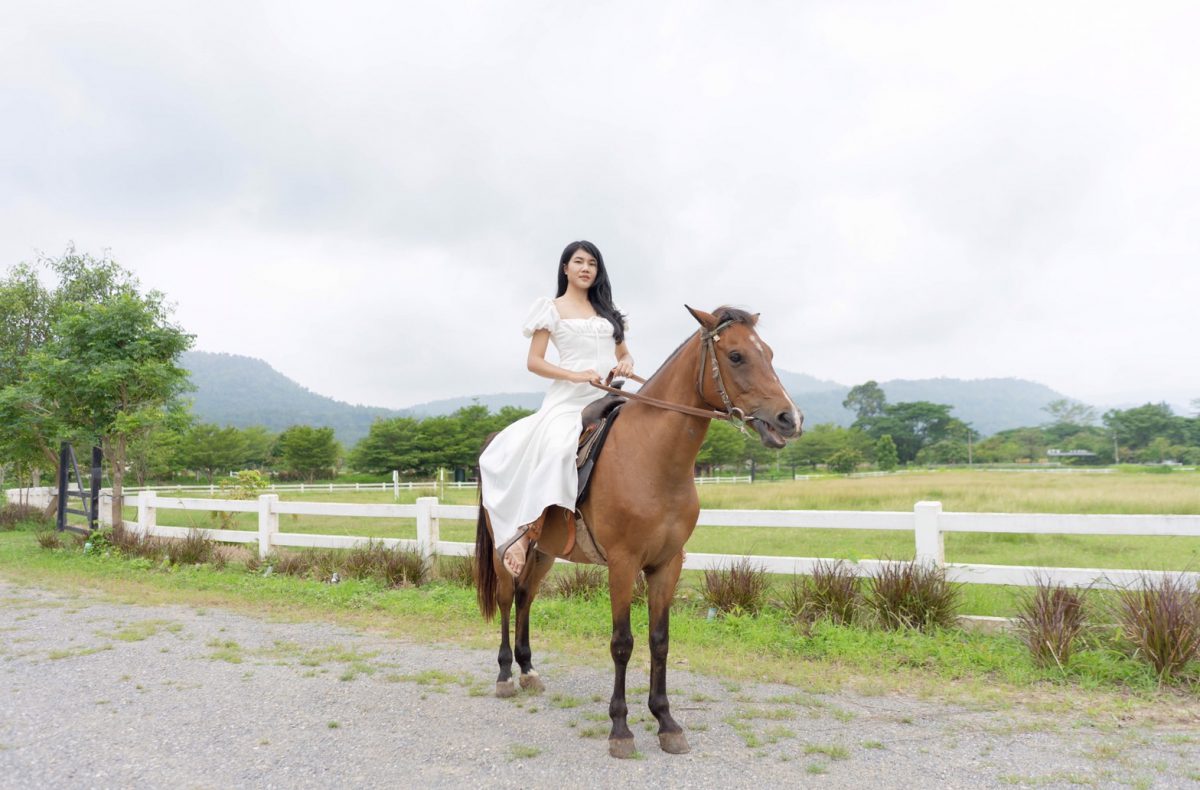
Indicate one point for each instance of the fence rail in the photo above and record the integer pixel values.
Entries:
(928, 523)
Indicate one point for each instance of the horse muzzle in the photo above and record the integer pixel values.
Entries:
(774, 431)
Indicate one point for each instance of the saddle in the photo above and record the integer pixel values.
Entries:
(597, 417)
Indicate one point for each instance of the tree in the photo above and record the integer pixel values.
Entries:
(210, 448)
(156, 454)
(110, 368)
(31, 429)
(307, 451)
(259, 444)
(865, 400)
(1137, 427)
(723, 445)
(845, 461)
(817, 444)
(914, 425)
(1065, 411)
(885, 453)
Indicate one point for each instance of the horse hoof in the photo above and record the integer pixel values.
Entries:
(506, 688)
(532, 683)
(673, 743)
(621, 748)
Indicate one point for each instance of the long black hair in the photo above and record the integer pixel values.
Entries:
(600, 294)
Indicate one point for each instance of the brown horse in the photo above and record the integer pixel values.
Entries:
(643, 505)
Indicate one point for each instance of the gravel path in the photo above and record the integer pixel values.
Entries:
(114, 695)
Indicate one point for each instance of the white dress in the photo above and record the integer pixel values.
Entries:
(530, 465)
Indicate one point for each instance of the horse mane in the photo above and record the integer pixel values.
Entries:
(723, 313)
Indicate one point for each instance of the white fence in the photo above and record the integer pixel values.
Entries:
(927, 522)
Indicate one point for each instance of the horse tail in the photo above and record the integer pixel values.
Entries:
(485, 550)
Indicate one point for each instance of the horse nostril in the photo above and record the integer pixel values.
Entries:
(785, 420)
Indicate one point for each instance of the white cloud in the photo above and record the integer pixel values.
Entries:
(368, 197)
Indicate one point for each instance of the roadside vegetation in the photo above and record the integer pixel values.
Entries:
(829, 631)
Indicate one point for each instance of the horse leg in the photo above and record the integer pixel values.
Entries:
(660, 586)
(504, 599)
(620, 590)
(537, 566)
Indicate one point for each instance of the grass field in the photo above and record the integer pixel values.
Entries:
(1103, 682)
(1177, 493)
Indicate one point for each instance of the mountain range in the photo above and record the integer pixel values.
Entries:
(244, 391)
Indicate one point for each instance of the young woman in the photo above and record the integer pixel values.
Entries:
(530, 465)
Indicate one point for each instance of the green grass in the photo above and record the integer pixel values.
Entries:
(948, 664)
(957, 490)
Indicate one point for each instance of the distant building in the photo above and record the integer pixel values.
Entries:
(1070, 454)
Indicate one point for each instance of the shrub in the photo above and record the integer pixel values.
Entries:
(579, 581)
(399, 567)
(1049, 620)
(294, 563)
(913, 595)
(392, 567)
(13, 515)
(739, 588)
(1162, 621)
(48, 539)
(194, 549)
(134, 544)
(459, 571)
(845, 460)
(832, 592)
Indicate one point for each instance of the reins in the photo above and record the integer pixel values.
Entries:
(708, 340)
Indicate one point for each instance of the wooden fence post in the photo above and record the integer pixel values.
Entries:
(427, 526)
(931, 543)
(147, 512)
(268, 523)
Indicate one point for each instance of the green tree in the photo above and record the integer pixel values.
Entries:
(817, 444)
(885, 453)
(1065, 411)
(259, 444)
(389, 444)
(723, 445)
(307, 451)
(110, 369)
(914, 425)
(845, 461)
(31, 429)
(210, 448)
(1136, 428)
(865, 400)
(155, 454)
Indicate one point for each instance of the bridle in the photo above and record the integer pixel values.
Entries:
(708, 351)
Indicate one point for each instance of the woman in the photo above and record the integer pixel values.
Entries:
(530, 465)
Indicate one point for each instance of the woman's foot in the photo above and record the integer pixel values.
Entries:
(514, 557)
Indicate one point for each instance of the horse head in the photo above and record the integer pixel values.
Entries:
(736, 374)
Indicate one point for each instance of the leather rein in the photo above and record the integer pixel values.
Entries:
(708, 349)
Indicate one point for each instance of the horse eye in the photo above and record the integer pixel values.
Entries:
(735, 357)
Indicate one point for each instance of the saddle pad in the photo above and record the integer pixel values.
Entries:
(589, 450)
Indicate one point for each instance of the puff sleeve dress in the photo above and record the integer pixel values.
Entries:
(530, 465)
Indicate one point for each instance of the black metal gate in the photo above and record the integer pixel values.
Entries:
(89, 500)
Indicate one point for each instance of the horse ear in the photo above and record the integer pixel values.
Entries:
(706, 320)
(754, 319)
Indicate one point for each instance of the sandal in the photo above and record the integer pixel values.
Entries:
(515, 555)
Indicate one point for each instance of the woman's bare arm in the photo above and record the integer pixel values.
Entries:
(537, 363)
(624, 361)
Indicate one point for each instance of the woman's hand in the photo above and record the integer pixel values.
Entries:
(585, 376)
(624, 367)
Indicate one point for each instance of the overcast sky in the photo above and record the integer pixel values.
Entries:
(368, 196)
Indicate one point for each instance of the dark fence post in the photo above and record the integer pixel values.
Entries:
(61, 520)
(94, 517)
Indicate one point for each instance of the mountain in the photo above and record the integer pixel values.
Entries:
(988, 405)
(243, 391)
